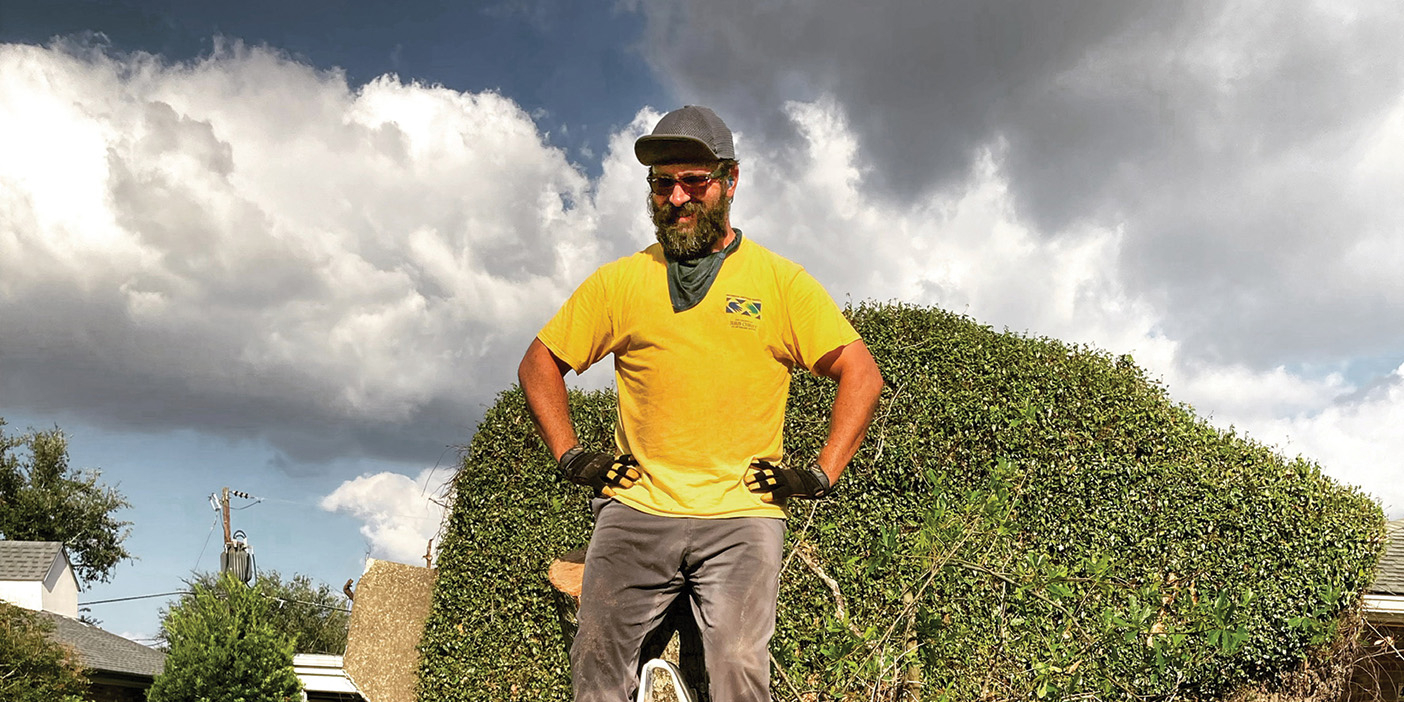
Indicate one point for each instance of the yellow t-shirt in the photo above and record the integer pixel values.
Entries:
(701, 392)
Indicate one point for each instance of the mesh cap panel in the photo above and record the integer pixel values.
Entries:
(691, 134)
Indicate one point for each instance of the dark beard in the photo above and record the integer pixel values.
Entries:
(709, 227)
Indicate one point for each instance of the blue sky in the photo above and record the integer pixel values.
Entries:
(296, 250)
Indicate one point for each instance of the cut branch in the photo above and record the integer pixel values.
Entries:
(840, 604)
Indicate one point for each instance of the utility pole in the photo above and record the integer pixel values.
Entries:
(237, 556)
(224, 510)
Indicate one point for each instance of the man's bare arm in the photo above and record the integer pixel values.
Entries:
(542, 377)
(859, 385)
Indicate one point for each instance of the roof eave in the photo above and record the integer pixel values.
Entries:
(1384, 609)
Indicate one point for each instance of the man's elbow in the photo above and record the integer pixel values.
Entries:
(856, 367)
(539, 363)
(524, 368)
(871, 379)
(530, 367)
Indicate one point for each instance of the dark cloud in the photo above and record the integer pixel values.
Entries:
(923, 85)
(1217, 136)
(90, 359)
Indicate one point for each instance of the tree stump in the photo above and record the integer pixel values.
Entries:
(677, 640)
(565, 574)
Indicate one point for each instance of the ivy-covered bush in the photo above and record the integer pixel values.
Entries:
(1027, 519)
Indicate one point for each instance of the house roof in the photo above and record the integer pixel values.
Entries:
(1389, 574)
(28, 560)
(104, 651)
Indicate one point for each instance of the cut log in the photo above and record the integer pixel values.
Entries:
(566, 573)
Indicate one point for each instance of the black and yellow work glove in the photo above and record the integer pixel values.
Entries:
(601, 472)
(776, 481)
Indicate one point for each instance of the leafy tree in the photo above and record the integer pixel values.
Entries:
(34, 668)
(223, 647)
(315, 616)
(42, 499)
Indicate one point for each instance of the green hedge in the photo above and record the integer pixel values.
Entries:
(1026, 519)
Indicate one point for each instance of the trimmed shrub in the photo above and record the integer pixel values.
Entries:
(1027, 519)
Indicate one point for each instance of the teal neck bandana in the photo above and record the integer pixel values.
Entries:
(689, 281)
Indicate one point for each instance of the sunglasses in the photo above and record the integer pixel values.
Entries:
(693, 184)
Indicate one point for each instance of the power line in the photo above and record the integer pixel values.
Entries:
(187, 592)
(317, 503)
(207, 542)
(314, 604)
(246, 496)
(136, 597)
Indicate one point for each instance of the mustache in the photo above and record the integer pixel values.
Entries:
(667, 213)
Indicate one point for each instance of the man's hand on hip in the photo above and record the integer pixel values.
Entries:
(601, 472)
(776, 481)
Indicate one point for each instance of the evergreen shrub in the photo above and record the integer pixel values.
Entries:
(1027, 519)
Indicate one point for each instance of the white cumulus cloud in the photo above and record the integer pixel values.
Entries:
(245, 244)
(399, 515)
(1357, 437)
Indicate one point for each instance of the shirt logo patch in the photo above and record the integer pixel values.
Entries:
(744, 306)
(743, 312)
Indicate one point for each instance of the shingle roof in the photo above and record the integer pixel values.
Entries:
(1389, 575)
(104, 651)
(27, 560)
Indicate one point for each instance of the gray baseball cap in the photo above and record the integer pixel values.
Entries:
(690, 134)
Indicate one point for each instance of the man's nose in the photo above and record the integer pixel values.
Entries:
(679, 196)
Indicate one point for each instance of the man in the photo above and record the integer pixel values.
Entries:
(704, 328)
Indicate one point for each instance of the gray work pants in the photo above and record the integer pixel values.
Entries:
(638, 564)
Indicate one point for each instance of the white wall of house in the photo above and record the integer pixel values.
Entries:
(61, 589)
(28, 594)
(57, 592)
